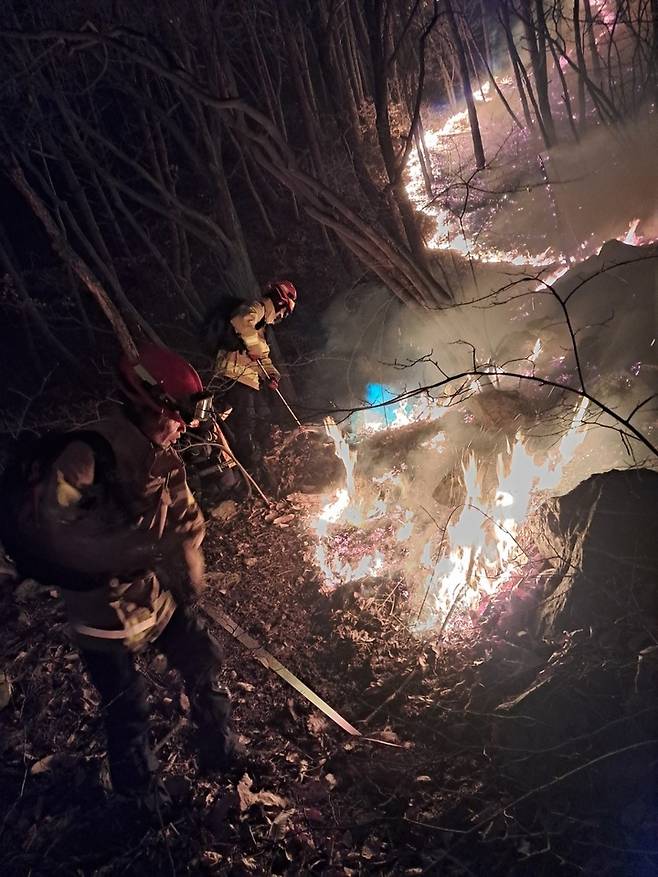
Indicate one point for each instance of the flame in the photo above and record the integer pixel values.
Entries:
(332, 511)
(361, 535)
(485, 549)
(342, 450)
(457, 124)
(631, 237)
(481, 94)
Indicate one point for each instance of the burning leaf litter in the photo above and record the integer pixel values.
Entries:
(491, 718)
(469, 233)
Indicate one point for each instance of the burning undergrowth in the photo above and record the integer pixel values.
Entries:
(442, 526)
(550, 204)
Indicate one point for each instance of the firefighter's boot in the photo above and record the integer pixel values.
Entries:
(216, 744)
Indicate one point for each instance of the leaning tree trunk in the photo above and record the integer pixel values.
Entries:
(593, 51)
(379, 48)
(78, 265)
(580, 56)
(654, 40)
(8, 260)
(516, 62)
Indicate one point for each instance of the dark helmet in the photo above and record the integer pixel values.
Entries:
(162, 381)
(283, 295)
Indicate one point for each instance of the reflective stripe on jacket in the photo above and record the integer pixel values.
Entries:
(120, 614)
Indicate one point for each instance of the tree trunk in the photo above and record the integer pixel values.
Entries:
(343, 101)
(535, 38)
(565, 94)
(310, 122)
(78, 265)
(379, 48)
(478, 149)
(7, 258)
(593, 51)
(449, 85)
(516, 62)
(492, 80)
(654, 40)
(580, 56)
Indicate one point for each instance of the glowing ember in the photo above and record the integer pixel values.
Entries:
(332, 512)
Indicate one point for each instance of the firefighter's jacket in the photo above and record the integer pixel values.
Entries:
(249, 322)
(132, 542)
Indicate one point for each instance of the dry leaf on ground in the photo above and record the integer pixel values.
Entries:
(248, 798)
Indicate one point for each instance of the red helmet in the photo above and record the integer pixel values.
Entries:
(283, 295)
(163, 381)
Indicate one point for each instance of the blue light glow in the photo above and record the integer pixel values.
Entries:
(376, 394)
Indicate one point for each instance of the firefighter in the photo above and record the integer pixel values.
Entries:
(244, 365)
(116, 528)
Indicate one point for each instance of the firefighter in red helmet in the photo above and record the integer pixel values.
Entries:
(244, 365)
(117, 530)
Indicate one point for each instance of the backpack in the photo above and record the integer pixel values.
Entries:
(27, 466)
(219, 333)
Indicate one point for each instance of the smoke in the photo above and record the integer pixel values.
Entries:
(577, 196)
(593, 329)
(611, 300)
(548, 209)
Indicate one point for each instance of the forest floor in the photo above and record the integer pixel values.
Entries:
(462, 780)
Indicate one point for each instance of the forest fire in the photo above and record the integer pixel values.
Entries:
(421, 638)
(467, 232)
(472, 549)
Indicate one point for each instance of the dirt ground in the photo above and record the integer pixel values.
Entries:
(495, 753)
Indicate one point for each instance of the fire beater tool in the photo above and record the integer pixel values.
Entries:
(280, 394)
(268, 660)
